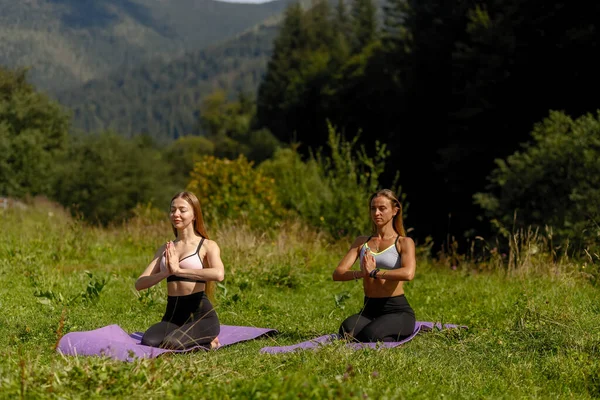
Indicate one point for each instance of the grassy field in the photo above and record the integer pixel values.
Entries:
(532, 333)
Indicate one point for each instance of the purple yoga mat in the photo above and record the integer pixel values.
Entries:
(112, 341)
(420, 326)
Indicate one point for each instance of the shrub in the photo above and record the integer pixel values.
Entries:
(185, 151)
(553, 184)
(232, 190)
(105, 176)
(33, 135)
(330, 192)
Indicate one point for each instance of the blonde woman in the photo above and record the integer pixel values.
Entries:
(387, 260)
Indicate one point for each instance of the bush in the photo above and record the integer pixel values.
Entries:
(33, 135)
(554, 183)
(232, 190)
(104, 177)
(184, 152)
(330, 192)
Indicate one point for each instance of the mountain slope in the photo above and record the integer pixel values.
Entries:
(160, 98)
(69, 42)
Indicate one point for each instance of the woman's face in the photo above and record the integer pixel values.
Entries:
(382, 211)
(182, 213)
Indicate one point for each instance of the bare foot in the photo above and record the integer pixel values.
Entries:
(215, 344)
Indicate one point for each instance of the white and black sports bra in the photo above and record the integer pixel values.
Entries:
(192, 261)
(388, 258)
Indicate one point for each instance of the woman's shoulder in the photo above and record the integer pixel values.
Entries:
(360, 240)
(405, 241)
(160, 250)
(210, 245)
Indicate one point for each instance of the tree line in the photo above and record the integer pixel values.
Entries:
(450, 87)
(241, 175)
(479, 138)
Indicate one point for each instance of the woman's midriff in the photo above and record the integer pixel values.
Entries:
(382, 288)
(182, 288)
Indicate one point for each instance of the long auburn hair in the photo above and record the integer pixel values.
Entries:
(199, 228)
(398, 219)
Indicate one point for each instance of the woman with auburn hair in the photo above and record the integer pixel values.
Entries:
(191, 264)
(387, 260)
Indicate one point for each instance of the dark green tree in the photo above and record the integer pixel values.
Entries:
(272, 98)
(183, 153)
(320, 30)
(364, 23)
(342, 18)
(228, 125)
(104, 176)
(342, 28)
(292, 102)
(553, 182)
(33, 134)
(513, 61)
(396, 39)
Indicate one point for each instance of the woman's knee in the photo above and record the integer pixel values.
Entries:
(183, 343)
(351, 326)
(174, 343)
(155, 335)
(348, 325)
(386, 331)
(368, 334)
(148, 339)
(345, 331)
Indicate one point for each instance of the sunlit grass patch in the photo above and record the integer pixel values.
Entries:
(530, 335)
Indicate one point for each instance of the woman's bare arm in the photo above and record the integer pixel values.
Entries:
(342, 272)
(152, 274)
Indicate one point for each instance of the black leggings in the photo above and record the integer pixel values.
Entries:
(188, 321)
(386, 319)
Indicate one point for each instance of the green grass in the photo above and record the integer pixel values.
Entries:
(532, 335)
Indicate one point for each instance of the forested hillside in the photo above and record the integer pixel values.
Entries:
(161, 99)
(484, 113)
(69, 42)
(449, 88)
